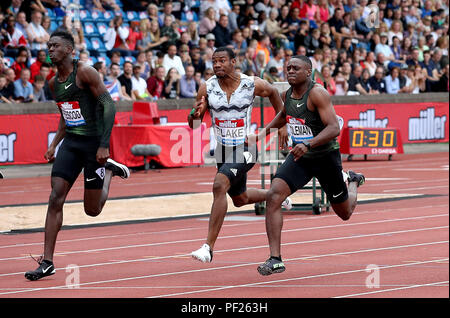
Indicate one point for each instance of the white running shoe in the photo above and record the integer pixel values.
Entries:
(117, 169)
(287, 204)
(203, 254)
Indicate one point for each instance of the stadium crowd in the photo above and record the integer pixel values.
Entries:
(147, 50)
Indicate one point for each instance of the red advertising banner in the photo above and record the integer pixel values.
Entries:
(25, 138)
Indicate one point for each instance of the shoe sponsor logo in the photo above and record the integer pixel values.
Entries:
(234, 171)
(46, 269)
(335, 196)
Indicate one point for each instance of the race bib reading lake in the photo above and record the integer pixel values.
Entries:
(230, 132)
(298, 130)
(71, 113)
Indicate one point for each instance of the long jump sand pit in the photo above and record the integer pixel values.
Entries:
(138, 209)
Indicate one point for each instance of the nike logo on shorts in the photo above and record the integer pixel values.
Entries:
(335, 196)
(92, 179)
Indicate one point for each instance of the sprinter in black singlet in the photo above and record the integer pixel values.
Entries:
(87, 117)
(313, 127)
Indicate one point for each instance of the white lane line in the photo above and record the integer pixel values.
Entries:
(242, 265)
(288, 220)
(230, 237)
(439, 284)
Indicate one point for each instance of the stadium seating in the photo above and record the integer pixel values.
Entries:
(90, 29)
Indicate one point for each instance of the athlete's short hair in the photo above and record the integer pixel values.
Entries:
(229, 51)
(304, 59)
(65, 35)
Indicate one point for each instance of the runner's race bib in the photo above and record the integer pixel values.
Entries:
(298, 130)
(230, 132)
(72, 113)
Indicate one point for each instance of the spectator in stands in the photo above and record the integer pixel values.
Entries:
(13, 39)
(208, 22)
(125, 80)
(22, 23)
(327, 81)
(192, 29)
(38, 89)
(377, 82)
(341, 84)
(188, 84)
(169, 30)
(171, 60)
(21, 62)
(35, 68)
(23, 90)
(138, 85)
(277, 61)
(145, 66)
(166, 12)
(238, 43)
(112, 83)
(233, 17)
(104, 5)
(116, 37)
(10, 78)
(134, 35)
(172, 87)
(101, 68)
(443, 84)
(432, 74)
(37, 36)
(221, 32)
(338, 27)
(155, 36)
(152, 12)
(414, 58)
(197, 60)
(392, 81)
(354, 80)
(363, 86)
(369, 63)
(47, 73)
(155, 83)
(312, 41)
(5, 96)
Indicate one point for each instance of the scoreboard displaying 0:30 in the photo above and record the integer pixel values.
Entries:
(371, 141)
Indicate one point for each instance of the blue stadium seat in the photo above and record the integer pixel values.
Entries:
(85, 16)
(8, 60)
(97, 15)
(108, 16)
(92, 60)
(131, 59)
(53, 25)
(132, 16)
(98, 45)
(102, 27)
(90, 29)
(88, 44)
(104, 58)
(142, 15)
(50, 13)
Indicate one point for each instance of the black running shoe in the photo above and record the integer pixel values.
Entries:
(46, 268)
(356, 177)
(117, 169)
(272, 265)
(1, 175)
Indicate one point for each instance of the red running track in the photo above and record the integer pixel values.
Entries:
(390, 249)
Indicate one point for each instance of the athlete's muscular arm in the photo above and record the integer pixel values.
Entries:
(320, 99)
(60, 133)
(89, 78)
(264, 89)
(200, 107)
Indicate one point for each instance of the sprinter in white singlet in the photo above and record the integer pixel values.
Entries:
(229, 97)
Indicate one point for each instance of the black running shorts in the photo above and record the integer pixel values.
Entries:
(76, 153)
(326, 168)
(235, 162)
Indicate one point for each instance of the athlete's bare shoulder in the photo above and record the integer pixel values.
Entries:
(319, 96)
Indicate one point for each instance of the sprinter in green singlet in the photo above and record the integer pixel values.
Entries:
(313, 127)
(87, 117)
